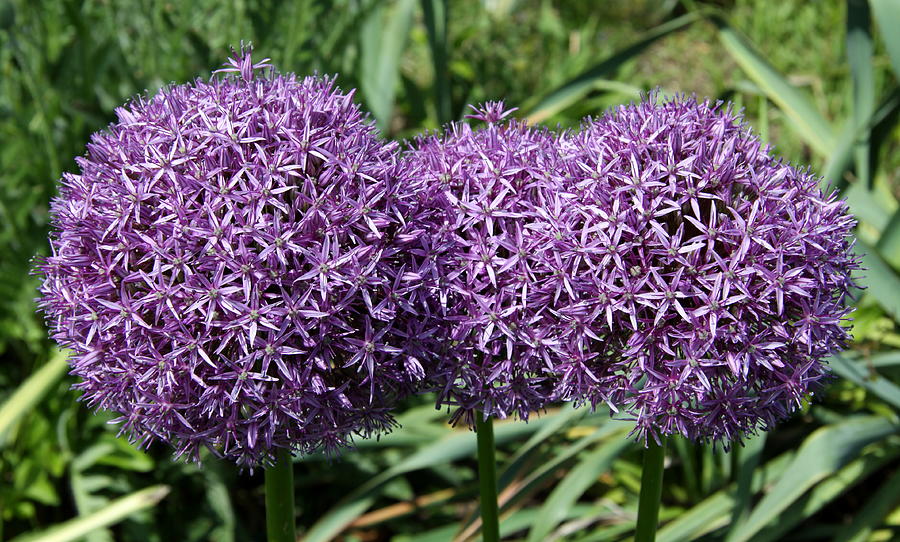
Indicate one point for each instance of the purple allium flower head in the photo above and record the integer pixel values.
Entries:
(234, 266)
(493, 184)
(713, 274)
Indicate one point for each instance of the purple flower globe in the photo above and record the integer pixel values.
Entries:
(711, 275)
(494, 186)
(237, 266)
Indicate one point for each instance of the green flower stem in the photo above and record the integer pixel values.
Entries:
(487, 478)
(651, 491)
(280, 498)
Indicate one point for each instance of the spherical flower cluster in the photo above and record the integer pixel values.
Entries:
(234, 267)
(493, 183)
(713, 275)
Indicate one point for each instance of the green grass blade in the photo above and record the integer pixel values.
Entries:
(511, 524)
(882, 281)
(685, 450)
(887, 359)
(547, 471)
(826, 492)
(573, 486)
(572, 91)
(436, 16)
(454, 446)
(859, 54)
(383, 39)
(520, 458)
(889, 242)
(218, 495)
(618, 523)
(748, 460)
(882, 135)
(841, 156)
(29, 393)
(810, 124)
(868, 209)
(334, 522)
(110, 514)
(873, 512)
(840, 159)
(825, 451)
(887, 17)
(715, 511)
(709, 479)
(859, 374)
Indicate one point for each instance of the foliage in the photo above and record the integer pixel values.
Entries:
(821, 80)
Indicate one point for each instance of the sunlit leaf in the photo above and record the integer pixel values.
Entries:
(859, 53)
(111, 514)
(826, 451)
(577, 88)
(454, 446)
(882, 281)
(857, 372)
(887, 17)
(436, 19)
(826, 492)
(810, 124)
(383, 39)
(575, 483)
(29, 393)
(715, 511)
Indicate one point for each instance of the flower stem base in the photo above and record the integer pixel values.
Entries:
(280, 499)
(651, 491)
(487, 478)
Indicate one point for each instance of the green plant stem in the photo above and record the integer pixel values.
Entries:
(651, 491)
(280, 499)
(487, 478)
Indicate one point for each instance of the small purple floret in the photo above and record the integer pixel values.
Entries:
(237, 267)
(712, 277)
(493, 185)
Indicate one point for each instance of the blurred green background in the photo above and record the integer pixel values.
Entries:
(818, 79)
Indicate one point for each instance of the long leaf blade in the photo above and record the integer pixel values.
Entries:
(883, 282)
(570, 489)
(871, 514)
(887, 17)
(578, 87)
(715, 511)
(436, 17)
(855, 372)
(383, 39)
(30, 393)
(748, 460)
(824, 452)
(889, 242)
(110, 514)
(832, 487)
(456, 445)
(840, 158)
(859, 54)
(811, 125)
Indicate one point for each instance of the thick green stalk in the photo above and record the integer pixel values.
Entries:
(280, 499)
(651, 491)
(487, 478)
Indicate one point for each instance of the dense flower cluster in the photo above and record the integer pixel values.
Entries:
(712, 275)
(493, 183)
(243, 265)
(231, 264)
